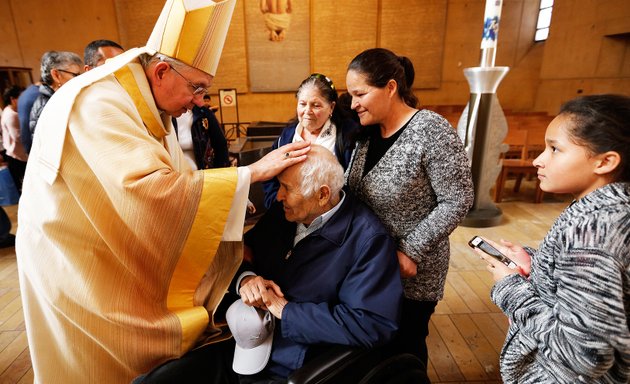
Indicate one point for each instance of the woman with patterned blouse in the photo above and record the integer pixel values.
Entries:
(410, 167)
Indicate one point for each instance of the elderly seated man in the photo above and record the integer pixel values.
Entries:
(323, 265)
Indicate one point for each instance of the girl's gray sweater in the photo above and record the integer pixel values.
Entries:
(570, 320)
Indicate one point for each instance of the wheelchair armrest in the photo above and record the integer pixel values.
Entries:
(327, 365)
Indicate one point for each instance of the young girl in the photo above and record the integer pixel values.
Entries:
(569, 302)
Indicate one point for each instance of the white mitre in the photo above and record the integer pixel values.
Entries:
(193, 32)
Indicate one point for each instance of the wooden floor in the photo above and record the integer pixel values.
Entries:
(466, 331)
(15, 362)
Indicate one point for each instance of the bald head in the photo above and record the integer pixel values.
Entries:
(312, 187)
(321, 167)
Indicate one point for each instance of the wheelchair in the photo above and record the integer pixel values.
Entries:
(337, 365)
(345, 365)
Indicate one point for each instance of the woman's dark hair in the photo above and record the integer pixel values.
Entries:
(602, 124)
(380, 65)
(12, 92)
(91, 56)
(345, 104)
(328, 92)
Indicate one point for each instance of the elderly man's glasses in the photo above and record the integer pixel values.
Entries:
(74, 74)
(197, 90)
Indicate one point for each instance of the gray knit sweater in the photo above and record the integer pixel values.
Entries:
(570, 321)
(421, 189)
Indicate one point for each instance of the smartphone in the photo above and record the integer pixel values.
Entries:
(477, 242)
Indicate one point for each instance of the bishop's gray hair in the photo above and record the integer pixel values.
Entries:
(146, 60)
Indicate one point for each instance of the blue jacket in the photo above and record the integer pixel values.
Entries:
(342, 282)
(343, 150)
(25, 104)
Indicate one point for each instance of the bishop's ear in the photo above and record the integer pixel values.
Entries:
(160, 69)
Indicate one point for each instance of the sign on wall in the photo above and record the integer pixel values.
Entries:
(227, 98)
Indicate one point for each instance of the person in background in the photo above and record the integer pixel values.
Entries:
(3, 151)
(97, 51)
(207, 102)
(15, 154)
(345, 103)
(323, 265)
(201, 138)
(318, 121)
(25, 104)
(7, 239)
(568, 301)
(57, 68)
(123, 251)
(410, 167)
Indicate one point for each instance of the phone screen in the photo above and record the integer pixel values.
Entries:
(477, 242)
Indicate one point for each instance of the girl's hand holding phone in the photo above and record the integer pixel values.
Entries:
(518, 259)
(515, 253)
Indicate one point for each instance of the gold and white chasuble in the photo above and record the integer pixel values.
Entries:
(116, 233)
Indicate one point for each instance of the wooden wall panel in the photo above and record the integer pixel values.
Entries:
(572, 34)
(416, 29)
(461, 50)
(614, 58)
(517, 50)
(267, 106)
(64, 25)
(518, 91)
(579, 30)
(464, 25)
(232, 71)
(340, 30)
(449, 93)
(509, 32)
(590, 62)
(10, 54)
(552, 93)
(577, 56)
(527, 30)
(136, 19)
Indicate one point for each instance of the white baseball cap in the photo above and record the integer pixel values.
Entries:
(252, 329)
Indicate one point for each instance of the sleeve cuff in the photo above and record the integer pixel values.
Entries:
(510, 293)
(236, 218)
(240, 278)
(409, 251)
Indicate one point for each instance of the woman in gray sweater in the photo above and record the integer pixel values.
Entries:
(410, 167)
(569, 301)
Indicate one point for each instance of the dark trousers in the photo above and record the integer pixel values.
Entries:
(210, 364)
(262, 378)
(5, 224)
(17, 169)
(414, 328)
